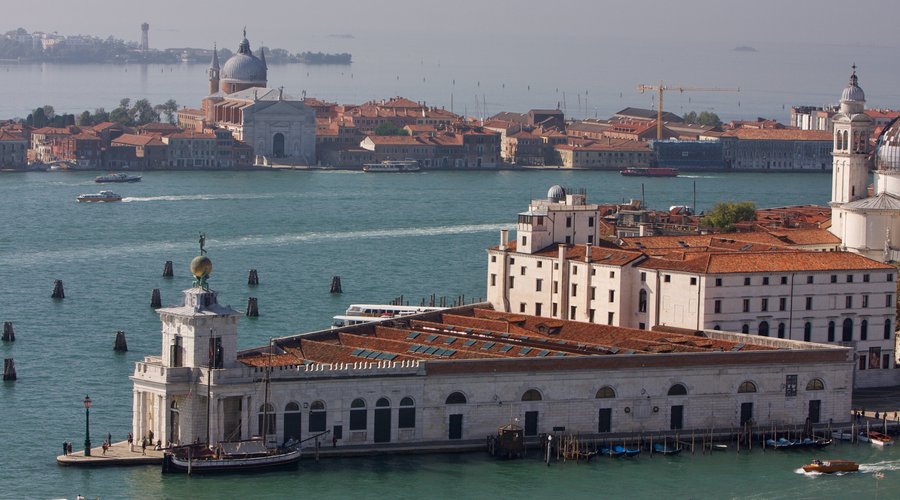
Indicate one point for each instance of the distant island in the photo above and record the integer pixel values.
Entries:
(744, 48)
(341, 35)
(322, 58)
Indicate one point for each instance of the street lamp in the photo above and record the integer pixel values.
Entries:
(87, 426)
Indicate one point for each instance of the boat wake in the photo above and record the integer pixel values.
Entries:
(684, 176)
(880, 466)
(197, 197)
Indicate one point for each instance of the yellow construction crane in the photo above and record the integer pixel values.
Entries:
(659, 89)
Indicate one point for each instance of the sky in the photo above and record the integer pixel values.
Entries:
(296, 24)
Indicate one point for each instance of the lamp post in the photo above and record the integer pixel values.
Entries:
(87, 426)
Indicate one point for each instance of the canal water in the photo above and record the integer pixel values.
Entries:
(384, 235)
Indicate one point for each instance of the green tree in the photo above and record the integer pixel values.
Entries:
(388, 128)
(142, 112)
(84, 119)
(704, 118)
(167, 109)
(726, 214)
(40, 118)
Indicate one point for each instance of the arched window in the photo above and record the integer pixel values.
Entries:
(831, 331)
(745, 328)
(407, 417)
(717, 327)
(838, 145)
(606, 392)
(317, 416)
(807, 331)
(266, 420)
(383, 403)
(291, 407)
(815, 385)
(642, 301)
(781, 330)
(456, 398)
(887, 329)
(677, 390)
(847, 333)
(531, 395)
(846, 141)
(864, 330)
(747, 386)
(358, 415)
(764, 328)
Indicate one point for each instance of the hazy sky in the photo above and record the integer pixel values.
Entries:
(294, 24)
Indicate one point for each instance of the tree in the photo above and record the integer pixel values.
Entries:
(388, 128)
(40, 118)
(726, 214)
(142, 112)
(704, 118)
(84, 119)
(168, 108)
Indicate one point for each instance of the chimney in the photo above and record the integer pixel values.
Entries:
(587, 252)
(504, 239)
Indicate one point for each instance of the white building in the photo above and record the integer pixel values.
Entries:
(453, 376)
(558, 267)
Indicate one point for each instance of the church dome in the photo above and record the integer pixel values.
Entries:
(556, 193)
(853, 92)
(887, 153)
(244, 67)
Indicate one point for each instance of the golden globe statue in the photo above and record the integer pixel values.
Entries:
(201, 266)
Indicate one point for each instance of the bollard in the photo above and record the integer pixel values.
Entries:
(8, 334)
(252, 307)
(9, 369)
(336, 285)
(155, 299)
(253, 278)
(167, 270)
(58, 292)
(121, 345)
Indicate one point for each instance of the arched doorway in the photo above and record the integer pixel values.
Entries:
(278, 145)
(383, 421)
(292, 422)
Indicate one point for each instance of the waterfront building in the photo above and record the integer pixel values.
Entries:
(452, 377)
(688, 155)
(776, 149)
(13, 149)
(784, 283)
(607, 154)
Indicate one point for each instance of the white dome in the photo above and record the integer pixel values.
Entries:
(244, 67)
(853, 92)
(887, 153)
(556, 193)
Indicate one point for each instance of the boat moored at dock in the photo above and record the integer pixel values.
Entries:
(876, 438)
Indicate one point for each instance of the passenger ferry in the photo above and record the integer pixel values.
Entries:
(366, 313)
(101, 196)
(118, 177)
(650, 172)
(392, 166)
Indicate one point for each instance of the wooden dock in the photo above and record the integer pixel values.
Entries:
(117, 455)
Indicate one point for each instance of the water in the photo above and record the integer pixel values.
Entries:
(385, 235)
(481, 77)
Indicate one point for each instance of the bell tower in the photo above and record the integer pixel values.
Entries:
(214, 72)
(850, 153)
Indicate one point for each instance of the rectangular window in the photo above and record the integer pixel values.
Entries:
(642, 326)
(522, 307)
(888, 300)
(693, 280)
(493, 279)
(540, 264)
(849, 278)
(809, 280)
(790, 386)
(667, 278)
(848, 301)
(718, 281)
(865, 303)
(863, 361)
(512, 260)
(612, 295)
(569, 221)
(610, 317)
(834, 278)
(537, 309)
(612, 274)
(865, 278)
(574, 289)
(555, 309)
(782, 304)
(746, 305)
(764, 306)
(593, 292)
(522, 272)
(718, 306)
(885, 360)
(809, 303)
(574, 269)
(538, 284)
(643, 277)
(493, 258)
(784, 280)
(524, 240)
(890, 277)
(572, 311)
(766, 280)
(591, 315)
(406, 418)
(512, 281)
(590, 222)
(747, 281)
(556, 287)
(590, 239)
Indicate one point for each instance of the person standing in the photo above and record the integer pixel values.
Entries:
(65, 447)
(109, 438)
(144, 446)
(130, 441)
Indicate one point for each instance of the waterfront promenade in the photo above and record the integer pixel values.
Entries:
(119, 454)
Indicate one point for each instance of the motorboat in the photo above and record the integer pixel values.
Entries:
(118, 177)
(831, 466)
(876, 438)
(366, 313)
(101, 196)
(392, 166)
(649, 172)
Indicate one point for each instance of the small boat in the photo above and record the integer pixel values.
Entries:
(822, 442)
(841, 435)
(118, 177)
(101, 196)
(251, 455)
(612, 451)
(781, 444)
(876, 438)
(831, 466)
(392, 166)
(718, 447)
(665, 449)
(628, 452)
(650, 172)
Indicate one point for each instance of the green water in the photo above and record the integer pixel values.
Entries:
(385, 235)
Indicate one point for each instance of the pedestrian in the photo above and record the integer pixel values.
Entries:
(70, 448)
(65, 447)
(109, 438)
(130, 441)
(105, 447)
(877, 416)
(150, 435)
(144, 446)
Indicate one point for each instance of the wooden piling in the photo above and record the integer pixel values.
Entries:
(336, 285)
(121, 345)
(252, 307)
(58, 291)
(9, 369)
(8, 334)
(155, 299)
(253, 278)
(167, 270)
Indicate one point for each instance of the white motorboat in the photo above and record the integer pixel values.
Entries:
(393, 166)
(101, 196)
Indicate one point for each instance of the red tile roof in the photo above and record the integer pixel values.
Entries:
(778, 134)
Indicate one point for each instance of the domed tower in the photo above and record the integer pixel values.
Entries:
(243, 70)
(214, 72)
(850, 164)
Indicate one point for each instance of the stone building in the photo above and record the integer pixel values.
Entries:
(453, 376)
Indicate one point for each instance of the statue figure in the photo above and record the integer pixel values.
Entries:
(202, 243)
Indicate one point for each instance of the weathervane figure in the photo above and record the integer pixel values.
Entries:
(202, 243)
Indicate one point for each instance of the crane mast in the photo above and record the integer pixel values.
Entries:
(660, 88)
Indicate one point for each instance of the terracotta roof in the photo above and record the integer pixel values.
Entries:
(608, 145)
(786, 134)
(191, 135)
(9, 136)
(760, 262)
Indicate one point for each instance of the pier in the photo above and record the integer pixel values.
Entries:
(118, 454)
